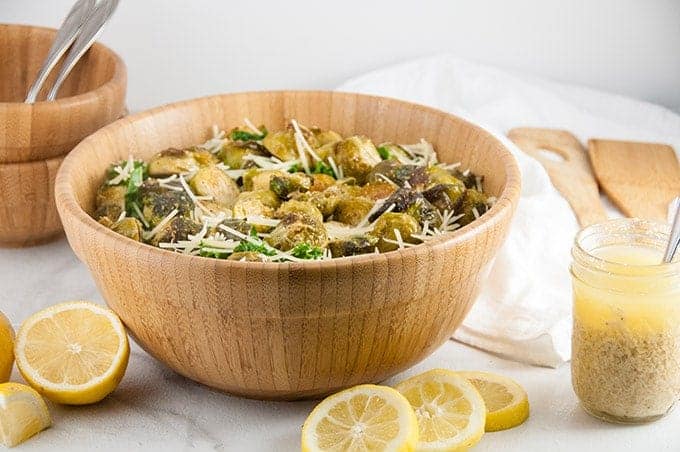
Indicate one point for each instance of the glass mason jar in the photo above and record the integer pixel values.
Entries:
(626, 339)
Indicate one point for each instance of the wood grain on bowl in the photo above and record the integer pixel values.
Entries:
(288, 330)
(92, 96)
(28, 215)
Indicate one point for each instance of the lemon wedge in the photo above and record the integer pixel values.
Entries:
(506, 401)
(362, 418)
(449, 409)
(6, 348)
(73, 353)
(23, 413)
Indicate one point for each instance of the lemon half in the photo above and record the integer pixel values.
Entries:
(73, 353)
(23, 413)
(450, 411)
(6, 348)
(506, 401)
(362, 418)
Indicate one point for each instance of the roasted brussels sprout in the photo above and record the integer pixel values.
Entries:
(468, 178)
(295, 229)
(439, 175)
(324, 137)
(172, 161)
(158, 202)
(212, 181)
(179, 228)
(232, 154)
(259, 179)
(110, 201)
(203, 157)
(286, 183)
(300, 207)
(281, 145)
(424, 212)
(129, 227)
(445, 197)
(351, 210)
(474, 204)
(377, 190)
(326, 151)
(403, 175)
(256, 203)
(402, 199)
(387, 223)
(357, 155)
(320, 182)
(325, 201)
(352, 246)
(248, 256)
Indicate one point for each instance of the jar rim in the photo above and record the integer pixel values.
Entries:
(625, 227)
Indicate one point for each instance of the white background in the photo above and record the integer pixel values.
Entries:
(625, 46)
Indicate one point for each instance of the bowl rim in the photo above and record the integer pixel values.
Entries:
(118, 77)
(503, 206)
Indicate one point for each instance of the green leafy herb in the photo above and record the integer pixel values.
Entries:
(384, 153)
(255, 245)
(307, 251)
(132, 197)
(322, 168)
(242, 135)
(295, 168)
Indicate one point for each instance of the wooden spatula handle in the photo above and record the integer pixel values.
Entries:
(572, 176)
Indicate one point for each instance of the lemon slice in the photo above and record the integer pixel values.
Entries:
(6, 348)
(506, 401)
(73, 353)
(449, 409)
(362, 418)
(23, 413)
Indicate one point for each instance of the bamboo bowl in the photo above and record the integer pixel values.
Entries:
(288, 330)
(92, 96)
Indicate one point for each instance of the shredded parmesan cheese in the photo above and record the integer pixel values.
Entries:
(251, 126)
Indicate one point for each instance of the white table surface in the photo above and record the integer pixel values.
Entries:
(154, 408)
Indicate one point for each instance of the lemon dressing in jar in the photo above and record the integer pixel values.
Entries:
(626, 337)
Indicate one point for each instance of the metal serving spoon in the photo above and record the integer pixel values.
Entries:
(67, 33)
(674, 241)
(91, 29)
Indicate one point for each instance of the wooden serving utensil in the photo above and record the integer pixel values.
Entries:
(570, 172)
(641, 179)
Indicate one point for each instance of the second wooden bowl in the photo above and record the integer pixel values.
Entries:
(289, 330)
(92, 96)
(28, 215)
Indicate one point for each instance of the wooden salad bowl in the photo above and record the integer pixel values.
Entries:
(288, 330)
(35, 137)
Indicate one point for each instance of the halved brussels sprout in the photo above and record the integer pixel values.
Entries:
(179, 228)
(259, 179)
(232, 154)
(300, 207)
(445, 197)
(351, 210)
(172, 161)
(402, 175)
(285, 184)
(295, 229)
(212, 181)
(203, 157)
(281, 145)
(352, 246)
(320, 182)
(256, 203)
(377, 190)
(158, 202)
(110, 201)
(129, 227)
(474, 203)
(324, 137)
(387, 223)
(357, 156)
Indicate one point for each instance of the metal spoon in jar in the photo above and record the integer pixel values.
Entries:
(674, 241)
(67, 33)
(92, 28)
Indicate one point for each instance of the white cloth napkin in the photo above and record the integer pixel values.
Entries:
(524, 310)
